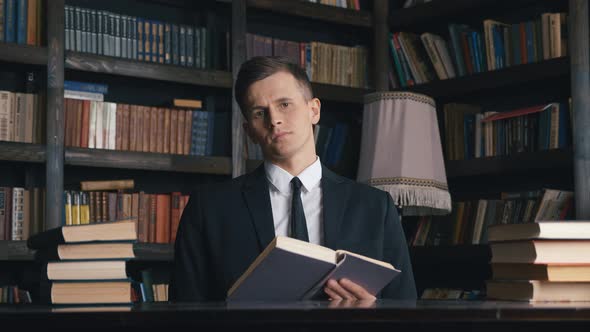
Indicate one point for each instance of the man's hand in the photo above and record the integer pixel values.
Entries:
(345, 289)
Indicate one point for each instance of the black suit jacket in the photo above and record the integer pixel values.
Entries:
(226, 225)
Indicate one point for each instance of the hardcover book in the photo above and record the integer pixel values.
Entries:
(290, 269)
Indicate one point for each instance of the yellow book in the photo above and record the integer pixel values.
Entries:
(84, 208)
(75, 208)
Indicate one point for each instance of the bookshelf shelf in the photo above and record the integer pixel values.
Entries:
(442, 11)
(339, 93)
(18, 251)
(140, 69)
(511, 76)
(30, 55)
(15, 151)
(147, 161)
(548, 159)
(316, 11)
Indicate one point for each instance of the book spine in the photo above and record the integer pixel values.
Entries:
(99, 32)
(21, 22)
(167, 43)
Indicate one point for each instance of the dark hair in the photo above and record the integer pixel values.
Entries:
(261, 67)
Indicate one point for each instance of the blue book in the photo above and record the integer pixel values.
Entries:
(515, 39)
(530, 47)
(455, 33)
(398, 66)
(86, 87)
(21, 22)
(10, 21)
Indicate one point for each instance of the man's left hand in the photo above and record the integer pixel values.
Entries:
(345, 289)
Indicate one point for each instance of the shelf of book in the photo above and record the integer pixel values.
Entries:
(18, 251)
(141, 69)
(316, 11)
(503, 78)
(16, 151)
(443, 11)
(25, 54)
(147, 161)
(547, 159)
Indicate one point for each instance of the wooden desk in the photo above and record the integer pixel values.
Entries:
(306, 316)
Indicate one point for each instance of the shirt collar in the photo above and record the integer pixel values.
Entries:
(281, 180)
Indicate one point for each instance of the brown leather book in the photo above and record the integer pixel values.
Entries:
(153, 129)
(162, 218)
(85, 124)
(160, 130)
(125, 128)
(143, 217)
(173, 130)
(119, 119)
(146, 128)
(175, 211)
(152, 219)
(132, 127)
(167, 130)
(180, 132)
(32, 22)
(139, 131)
(107, 185)
(188, 122)
(78, 122)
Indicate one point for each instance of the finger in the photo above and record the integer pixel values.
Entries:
(343, 293)
(356, 290)
(334, 297)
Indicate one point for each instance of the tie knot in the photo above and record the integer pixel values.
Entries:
(296, 183)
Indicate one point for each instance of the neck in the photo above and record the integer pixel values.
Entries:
(296, 164)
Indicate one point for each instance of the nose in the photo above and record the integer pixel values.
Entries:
(274, 117)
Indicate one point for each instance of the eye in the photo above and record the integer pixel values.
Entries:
(285, 105)
(258, 114)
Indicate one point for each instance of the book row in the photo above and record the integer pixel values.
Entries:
(22, 117)
(469, 221)
(157, 215)
(426, 57)
(21, 22)
(105, 125)
(22, 212)
(14, 295)
(112, 34)
(471, 132)
(324, 63)
(348, 4)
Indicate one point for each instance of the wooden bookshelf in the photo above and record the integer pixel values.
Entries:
(316, 11)
(25, 54)
(15, 151)
(511, 76)
(147, 161)
(339, 93)
(141, 69)
(18, 251)
(435, 12)
(547, 159)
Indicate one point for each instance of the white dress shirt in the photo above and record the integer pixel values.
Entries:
(281, 193)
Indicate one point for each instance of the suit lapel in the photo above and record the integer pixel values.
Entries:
(335, 196)
(255, 193)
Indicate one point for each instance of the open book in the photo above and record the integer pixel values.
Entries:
(290, 269)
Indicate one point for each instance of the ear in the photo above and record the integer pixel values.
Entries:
(315, 107)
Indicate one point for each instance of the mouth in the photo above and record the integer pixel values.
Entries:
(277, 136)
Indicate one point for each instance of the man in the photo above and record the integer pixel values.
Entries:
(225, 226)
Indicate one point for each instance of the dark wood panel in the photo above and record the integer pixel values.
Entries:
(316, 11)
(147, 161)
(31, 55)
(15, 251)
(339, 93)
(13, 151)
(170, 73)
(446, 10)
(18, 251)
(548, 159)
(504, 78)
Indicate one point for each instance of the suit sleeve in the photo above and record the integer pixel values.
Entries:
(189, 279)
(396, 252)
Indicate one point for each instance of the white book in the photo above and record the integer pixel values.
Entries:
(443, 51)
(19, 117)
(92, 124)
(112, 132)
(99, 136)
(83, 95)
(6, 125)
(18, 201)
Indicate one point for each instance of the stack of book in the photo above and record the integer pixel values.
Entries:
(86, 264)
(544, 261)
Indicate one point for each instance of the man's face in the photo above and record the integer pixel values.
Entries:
(280, 118)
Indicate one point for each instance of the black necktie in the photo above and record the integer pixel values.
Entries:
(298, 224)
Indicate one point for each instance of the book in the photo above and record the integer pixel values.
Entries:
(541, 251)
(290, 269)
(108, 231)
(87, 270)
(188, 103)
(107, 185)
(87, 292)
(548, 272)
(106, 250)
(540, 230)
(536, 290)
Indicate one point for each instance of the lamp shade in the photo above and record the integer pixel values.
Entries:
(401, 152)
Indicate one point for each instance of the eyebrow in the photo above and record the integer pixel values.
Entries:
(276, 101)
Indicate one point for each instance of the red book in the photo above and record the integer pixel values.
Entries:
(516, 113)
(162, 218)
(85, 124)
